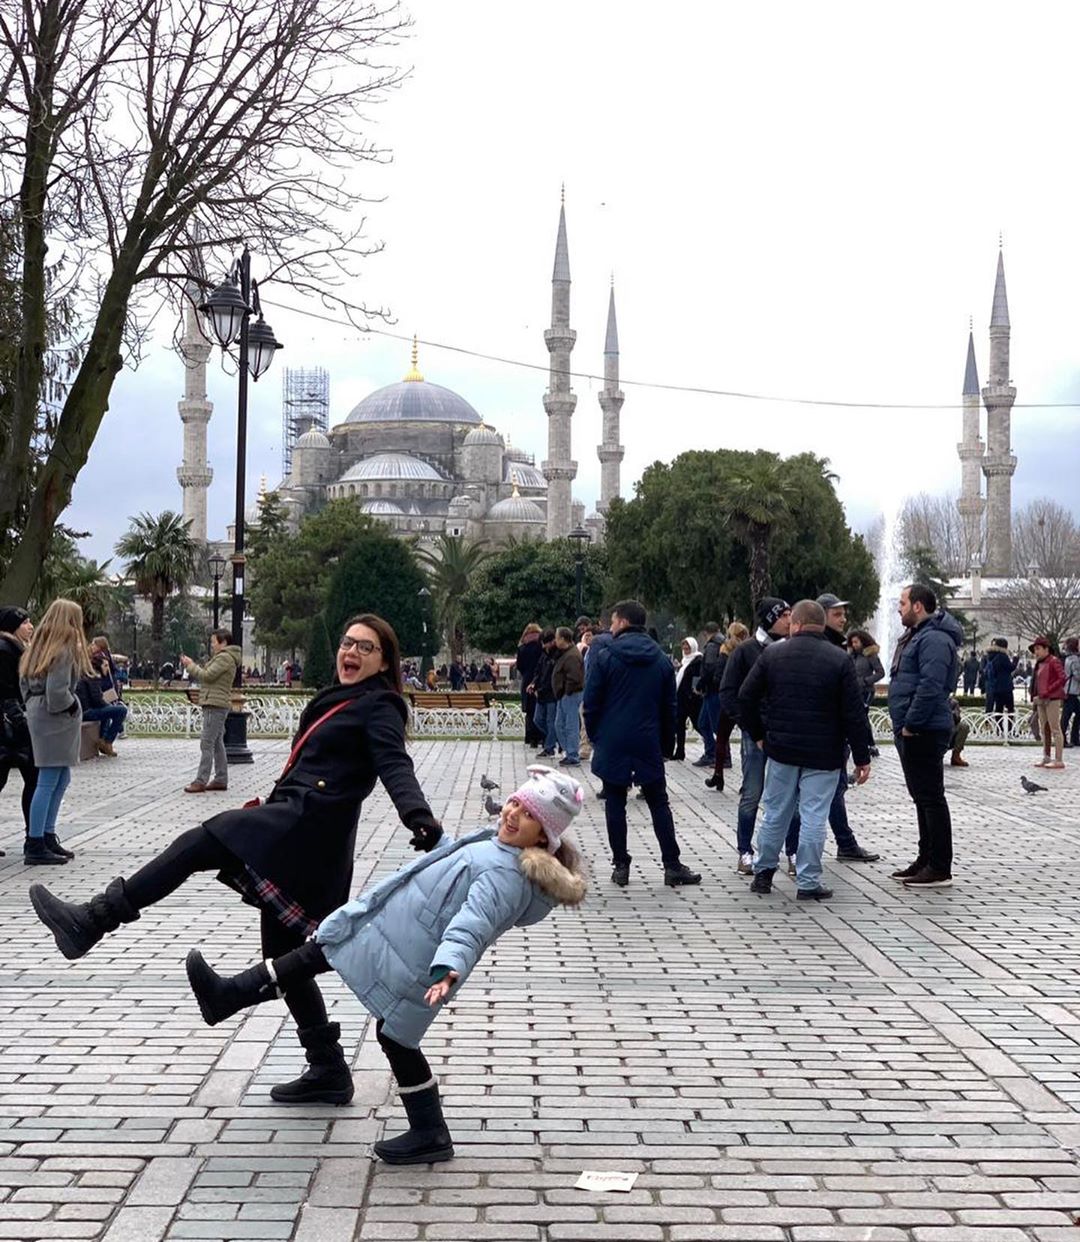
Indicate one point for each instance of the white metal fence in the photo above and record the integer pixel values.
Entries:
(269, 715)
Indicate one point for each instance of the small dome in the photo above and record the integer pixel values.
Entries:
(515, 509)
(313, 439)
(521, 474)
(381, 508)
(482, 435)
(391, 466)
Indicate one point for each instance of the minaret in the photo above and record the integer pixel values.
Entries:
(970, 450)
(999, 464)
(195, 410)
(559, 400)
(610, 451)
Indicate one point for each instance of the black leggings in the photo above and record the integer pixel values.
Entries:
(199, 850)
(408, 1065)
(24, 765)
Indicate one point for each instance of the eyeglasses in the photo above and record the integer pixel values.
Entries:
(364, 645)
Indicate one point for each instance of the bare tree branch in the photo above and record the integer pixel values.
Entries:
(142, 135)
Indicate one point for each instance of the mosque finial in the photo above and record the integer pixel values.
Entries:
(1001, 240)
(414, 376)
(562, 194)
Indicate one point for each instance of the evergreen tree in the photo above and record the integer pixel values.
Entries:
(319, 665)
(379, 574)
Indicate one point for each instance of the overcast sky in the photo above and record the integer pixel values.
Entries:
(800, 201)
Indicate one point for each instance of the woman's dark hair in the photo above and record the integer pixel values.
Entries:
(864, 636)
(388, 641)
(1072, 645)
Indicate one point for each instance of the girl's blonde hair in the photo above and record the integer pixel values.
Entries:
(58, 637)
(736, 633)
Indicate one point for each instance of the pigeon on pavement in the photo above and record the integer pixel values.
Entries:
(491, 806)
(1030, 786)
(486, 784)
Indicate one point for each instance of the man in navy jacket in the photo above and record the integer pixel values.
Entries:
(802, 705)
(924, 672)
(629, 710)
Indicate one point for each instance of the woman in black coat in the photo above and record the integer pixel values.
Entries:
(292, 855)
(16, 629)
(528, 657)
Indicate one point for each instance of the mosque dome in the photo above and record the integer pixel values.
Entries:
(482, 435)
(414, 400)
(515, 508)
(524, 474)
(312, 439)
(381, 508)
(392, 466)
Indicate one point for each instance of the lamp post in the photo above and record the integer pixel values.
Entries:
(581, 538)
(424, 595)
(134, 639)
(217, 572)
(229, 309)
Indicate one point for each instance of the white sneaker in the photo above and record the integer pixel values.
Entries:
(746, 864)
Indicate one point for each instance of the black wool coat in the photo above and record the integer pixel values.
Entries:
(303, 836)
(803, 699)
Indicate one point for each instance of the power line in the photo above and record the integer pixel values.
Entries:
(659, 384)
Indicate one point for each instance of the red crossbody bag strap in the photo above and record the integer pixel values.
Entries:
(309, 731)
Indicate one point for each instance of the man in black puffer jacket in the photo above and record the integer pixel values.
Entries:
(801, 704)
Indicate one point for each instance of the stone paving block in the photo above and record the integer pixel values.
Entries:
(164, 1182)
(139, 1224)
(327, 1224)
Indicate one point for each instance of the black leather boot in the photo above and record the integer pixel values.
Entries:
(52, 843)
(221, 996)
(427, 1140)
(78, 926)
(327, 1079)
(37, 854)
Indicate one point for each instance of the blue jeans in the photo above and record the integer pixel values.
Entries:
(568, 724)
(753, 782)
(52, 784)
(811, 790)
(838, 820)
(112, 717)
(544, 719)
(707, 721)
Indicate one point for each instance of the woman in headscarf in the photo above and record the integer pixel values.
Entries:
(687, 702)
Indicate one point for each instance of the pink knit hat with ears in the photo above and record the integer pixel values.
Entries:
(553, 799)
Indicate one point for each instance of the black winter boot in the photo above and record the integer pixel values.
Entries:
(327, 1079)
(76, 926)
(427, 1140)
(52, 844)
(37, 854)
(221, 996)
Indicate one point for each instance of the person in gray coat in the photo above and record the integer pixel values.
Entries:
(407, 944)
(49, 671)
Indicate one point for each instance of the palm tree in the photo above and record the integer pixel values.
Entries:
(451, 563)
(162, 557)
(89, 586)
(758, 496)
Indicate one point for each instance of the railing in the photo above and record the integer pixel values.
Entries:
(279, 715)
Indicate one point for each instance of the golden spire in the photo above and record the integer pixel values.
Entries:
(262, 486)
(414, 376)
(515, 494)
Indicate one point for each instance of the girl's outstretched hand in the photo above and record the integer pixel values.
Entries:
(438, 992)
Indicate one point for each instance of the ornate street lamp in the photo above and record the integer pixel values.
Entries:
(229, 309)
(217, 572)
(581, 538)
(424, 596)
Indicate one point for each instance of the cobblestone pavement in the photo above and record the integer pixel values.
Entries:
(889, 1066)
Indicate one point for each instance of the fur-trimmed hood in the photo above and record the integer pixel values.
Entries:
(872, 650)
(563, 879)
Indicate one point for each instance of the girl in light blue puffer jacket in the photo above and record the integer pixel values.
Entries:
(406, 944)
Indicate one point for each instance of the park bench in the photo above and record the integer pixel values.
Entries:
(89, 736)
(468, 700)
